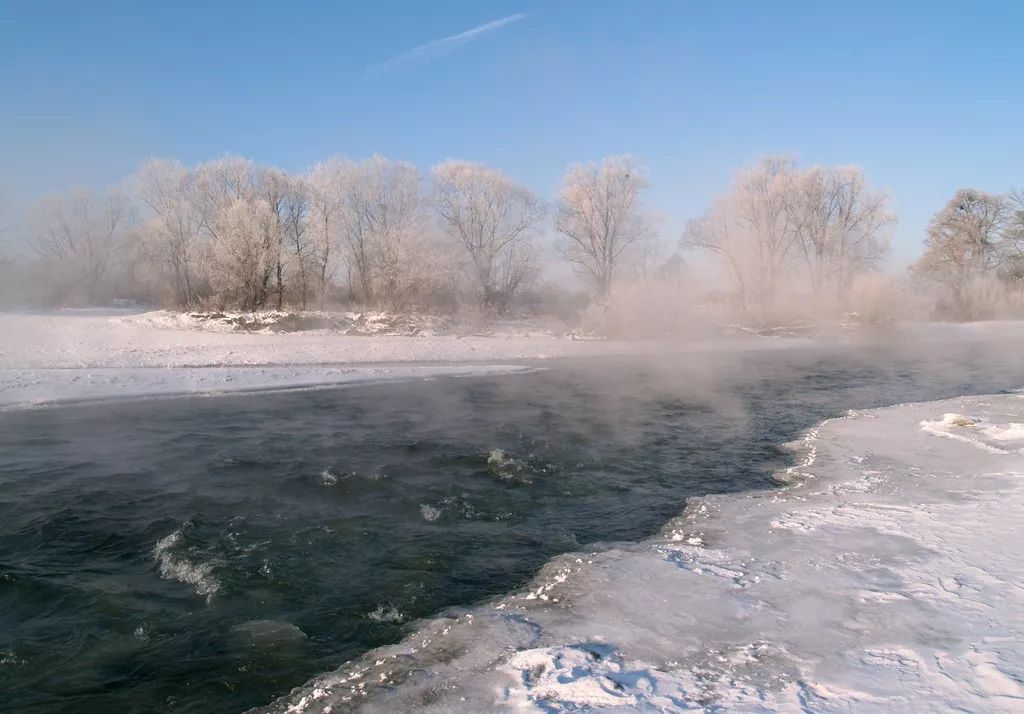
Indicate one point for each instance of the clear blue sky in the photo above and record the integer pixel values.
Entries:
(925, 96)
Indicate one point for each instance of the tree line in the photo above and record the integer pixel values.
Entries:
(376, 233)
(231, 233)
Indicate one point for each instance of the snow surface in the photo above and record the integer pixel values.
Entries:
(97, 354)
(81, 355)
(90, 355)
(72, 341)
(885, 577)
(21, 388)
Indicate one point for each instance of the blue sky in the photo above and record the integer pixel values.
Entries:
(926, 97)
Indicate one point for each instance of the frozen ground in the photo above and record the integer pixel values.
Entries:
(77, 355)
(107, 353)
(885, 577)
(99, 354)
(74, 340)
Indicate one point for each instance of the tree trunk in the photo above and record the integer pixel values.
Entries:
(280, 286)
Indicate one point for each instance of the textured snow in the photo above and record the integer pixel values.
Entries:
(998, 438)
(885, 577)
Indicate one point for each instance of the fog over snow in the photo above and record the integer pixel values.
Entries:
(102, 354)
(95, 356)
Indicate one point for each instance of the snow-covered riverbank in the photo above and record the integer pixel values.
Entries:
(885, 577)
(47, 358)
(95, 354)
(38, 387)
(72, 341)
(106, 354)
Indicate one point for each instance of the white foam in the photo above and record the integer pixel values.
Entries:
(267, 633)
(181, 569)
(507, 468)
(9, 658)
(328, 478)
(430, 513)
(386, 613)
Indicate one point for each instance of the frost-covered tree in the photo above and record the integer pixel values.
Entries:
(1014, 268)
(601, 218)
(218, 184)
(294, 214)
(172, 234)
(840, 227)
(751, 229)
(325, 185)
(80, 237)
(380, 211)
(285, 198)
(974, 242)
(780, 226)
(367, 217)
(242, 253)
(244, 210)
(495, 224)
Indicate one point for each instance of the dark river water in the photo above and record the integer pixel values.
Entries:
(209, 554)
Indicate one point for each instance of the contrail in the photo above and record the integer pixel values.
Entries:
(443, 46)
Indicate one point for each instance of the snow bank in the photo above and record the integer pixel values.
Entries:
(21, 388)
(886, 577)
(71, 356)
(275, 321)
(64, 341)
(84, 355)
(999, 438)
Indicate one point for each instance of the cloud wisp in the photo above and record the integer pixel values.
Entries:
(444, 46)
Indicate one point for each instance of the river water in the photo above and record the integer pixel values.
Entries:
(209, 554)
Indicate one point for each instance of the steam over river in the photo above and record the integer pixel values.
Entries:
(209, 554)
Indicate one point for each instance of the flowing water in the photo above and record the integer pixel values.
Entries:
(208, 554)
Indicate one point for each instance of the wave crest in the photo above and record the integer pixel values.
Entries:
(180, 569)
